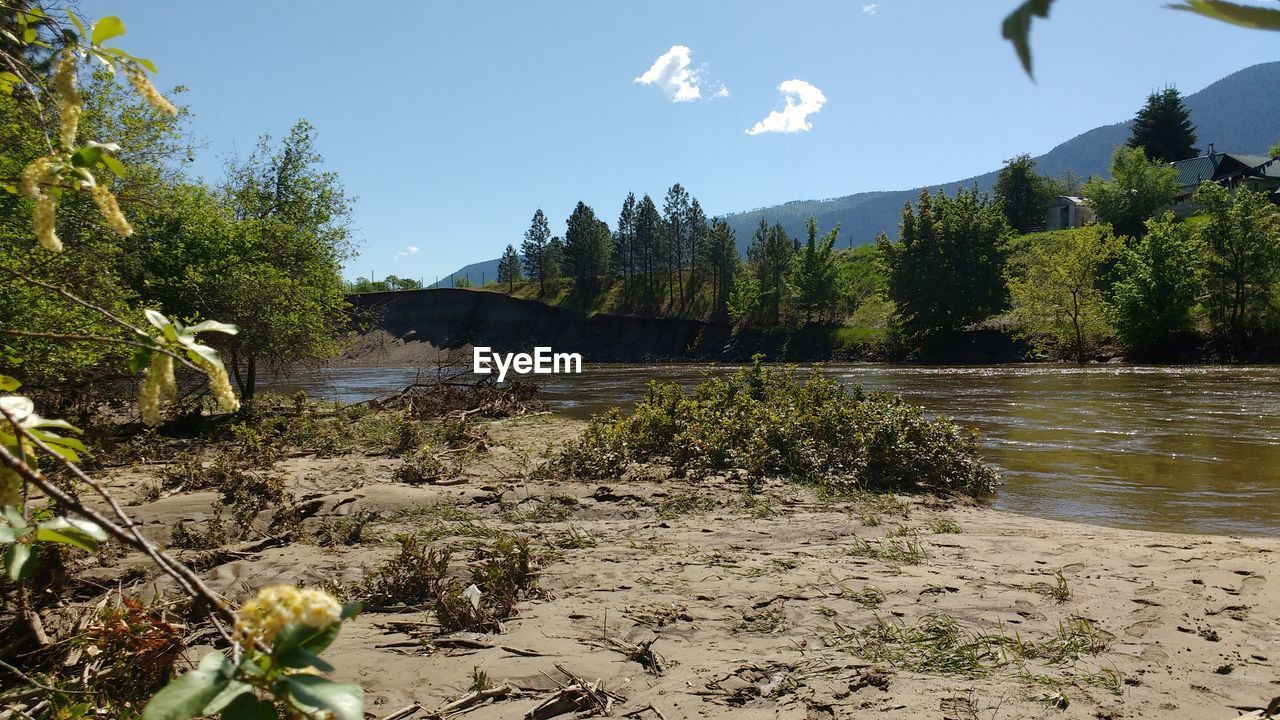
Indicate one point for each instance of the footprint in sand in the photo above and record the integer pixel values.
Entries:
(1252, 584)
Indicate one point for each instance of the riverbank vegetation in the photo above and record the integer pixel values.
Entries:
(1164, 274)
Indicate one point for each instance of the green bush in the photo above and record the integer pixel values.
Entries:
(778, 423)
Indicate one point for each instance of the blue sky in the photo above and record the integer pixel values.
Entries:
(453, 121)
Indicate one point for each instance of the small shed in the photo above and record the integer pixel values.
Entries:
(1068, 211)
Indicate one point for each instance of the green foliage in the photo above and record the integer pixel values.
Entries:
(462, 282)
(768, 422)
(1242, 236)
(540, 257)
(1163, 128)
(1137, 189)
(1054, 287)
(769, 256)
(509, 269)
(813, 280)
(947, 270)
(1023, 194)
(1159, 285)
(391, 283)
(587, 243)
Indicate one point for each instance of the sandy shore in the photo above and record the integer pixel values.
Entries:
(768, 607)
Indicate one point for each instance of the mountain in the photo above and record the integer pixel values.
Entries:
(1239, 113)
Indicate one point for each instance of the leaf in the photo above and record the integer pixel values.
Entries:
(19, 561)
(213, 326)
(351, 609)
(76, 21)
(17, 407)
(9, 384)
(68, 531)
(198, 352)
(114, 165)
(297, 644)
(140, 360)
(1249, 16)
(1017, 29)
(248, 707)
(187, 696)
(145, 63)
(344, 700)
(157, 319)
(234, 690)
(106, 28)
(7, 82)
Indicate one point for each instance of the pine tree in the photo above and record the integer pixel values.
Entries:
(586, 248)
(695, 252)
(770, 255)
(1023, 194)
(722, 249)
(509, 269)
(650, 249)
(675, 216)
(537, 263)
(813, 281)
(624, 259)
(1163, 128)
(947, 270)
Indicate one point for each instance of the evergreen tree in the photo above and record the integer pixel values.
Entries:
(1024, 194)
(509, 269)
(675, 216)
(650, 250)
(1163, 128)
(722, 249)
(1158, 285)
(814, 278)
(947, 270)
(1242, 236)
(538, 264)
(624, 259)
(586, 248)
(1138, 188)
(695, 252)
(555, 258)
(770, 256)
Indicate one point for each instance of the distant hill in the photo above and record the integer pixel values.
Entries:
(1239, 113)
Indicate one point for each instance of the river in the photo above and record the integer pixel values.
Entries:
(1182, 449)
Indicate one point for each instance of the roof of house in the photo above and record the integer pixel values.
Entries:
(1067, 199)
(1193, 171)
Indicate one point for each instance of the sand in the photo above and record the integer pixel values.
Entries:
(753, 604)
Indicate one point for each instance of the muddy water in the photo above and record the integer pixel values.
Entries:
(1184, 449)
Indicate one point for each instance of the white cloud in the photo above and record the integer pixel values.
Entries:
(410, 250)
(671, 73)
(802, 99)
(870, 9)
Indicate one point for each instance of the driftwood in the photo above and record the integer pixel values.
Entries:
(462, 401)
(576, 696)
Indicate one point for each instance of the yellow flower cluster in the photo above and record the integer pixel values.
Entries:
(158, 385)
(35, 175)
(110, 210)
(64, 82)
(142, 85)
(263, 617)
(220, 386)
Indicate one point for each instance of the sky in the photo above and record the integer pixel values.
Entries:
(451, 122)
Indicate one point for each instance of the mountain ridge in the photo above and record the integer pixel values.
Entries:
(1237, 113)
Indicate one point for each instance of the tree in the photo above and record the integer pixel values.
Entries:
(744, 301)
(722, 249)
(509, 269)
(264, 251)
(1068, 183)
(770, 254)
(814, 278)
(696, 251)
(675, 217)
(1055, 294)
(1137, 189)
(586, 248)
(1275, 150)
(947, 269)
(1159, 283)
(624, 247)
(539, 264)
(1023, 194)
(650, 251)
(1242, 235)
(1163, 128)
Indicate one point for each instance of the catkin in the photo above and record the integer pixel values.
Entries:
(162, 368)
(43, 220)
(220, 386)
(142, 85)
(109, 208)
(38, 172)
(69, 103)
(149, 398)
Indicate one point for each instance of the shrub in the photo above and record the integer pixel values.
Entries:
(777, 423)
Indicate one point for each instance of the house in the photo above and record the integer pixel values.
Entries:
(1255, 172)
(1068, 211)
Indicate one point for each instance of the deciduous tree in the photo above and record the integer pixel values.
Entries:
(1137, 189)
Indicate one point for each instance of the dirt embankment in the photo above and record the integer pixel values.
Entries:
(777, 604)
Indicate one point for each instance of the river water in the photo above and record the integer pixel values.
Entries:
(1183, 449)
